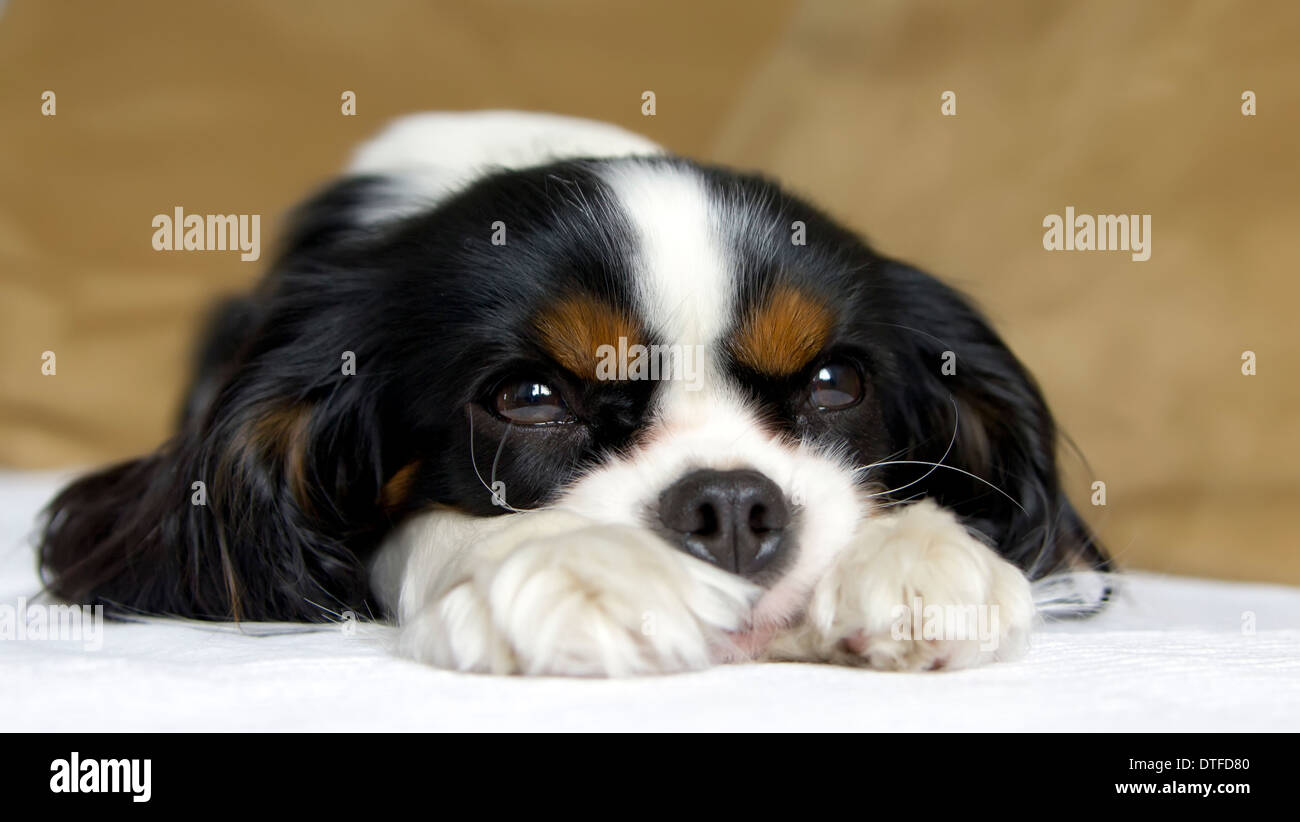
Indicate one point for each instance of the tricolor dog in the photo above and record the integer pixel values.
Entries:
(415, 415)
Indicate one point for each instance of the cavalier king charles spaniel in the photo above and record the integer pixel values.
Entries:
(559, 402)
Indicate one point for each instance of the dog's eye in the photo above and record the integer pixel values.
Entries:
(835, 385)
(528, 402)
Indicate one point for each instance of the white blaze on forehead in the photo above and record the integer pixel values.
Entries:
(683, 278)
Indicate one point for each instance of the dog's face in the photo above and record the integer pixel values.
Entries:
(686, 350)
(646, 341)
(650, 344)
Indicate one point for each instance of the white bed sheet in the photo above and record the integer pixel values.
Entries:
(1170, 654)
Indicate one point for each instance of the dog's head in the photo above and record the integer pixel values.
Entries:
(644, 340)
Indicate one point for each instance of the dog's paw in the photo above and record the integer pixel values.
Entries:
(555, 594)
(914, 591)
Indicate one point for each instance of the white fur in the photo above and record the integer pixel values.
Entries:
(427, 157)
(684, 279)
(918, 555)
(712, 429)
(551, 592)
(585, 588)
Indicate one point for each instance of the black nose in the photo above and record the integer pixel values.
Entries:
(734, 519)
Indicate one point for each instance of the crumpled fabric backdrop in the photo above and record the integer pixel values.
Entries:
(1110, 107)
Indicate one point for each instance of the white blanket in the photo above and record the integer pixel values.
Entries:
(1170, 654)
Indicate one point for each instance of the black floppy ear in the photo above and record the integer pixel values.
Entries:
(244, 517)
(953, 369)
(266, 501)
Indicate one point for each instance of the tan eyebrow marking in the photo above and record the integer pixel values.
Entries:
(783, 335)
(574, 328)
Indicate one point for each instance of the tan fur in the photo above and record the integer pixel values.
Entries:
(281, 434)
(575, 327)
(784, 334)
(398, 487)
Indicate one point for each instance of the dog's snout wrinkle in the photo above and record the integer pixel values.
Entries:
(733, 519)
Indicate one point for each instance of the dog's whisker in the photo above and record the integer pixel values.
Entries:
(956, 426)
(323, 608)
(474, 462)
(950, 468)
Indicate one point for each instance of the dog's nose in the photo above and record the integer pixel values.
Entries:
(734, 519)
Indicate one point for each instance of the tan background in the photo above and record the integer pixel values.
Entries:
(233, 107)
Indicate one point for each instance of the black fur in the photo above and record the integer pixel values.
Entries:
(298, 459)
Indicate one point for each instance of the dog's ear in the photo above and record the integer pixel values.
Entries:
(265, 502)
(244, 517)
(954, 372)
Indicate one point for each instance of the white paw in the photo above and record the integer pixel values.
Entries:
(554, 593)
(914, 591)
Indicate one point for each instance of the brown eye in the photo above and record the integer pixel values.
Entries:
(527, 402)
(835, 385)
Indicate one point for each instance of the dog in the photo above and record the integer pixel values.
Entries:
(560, 402)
